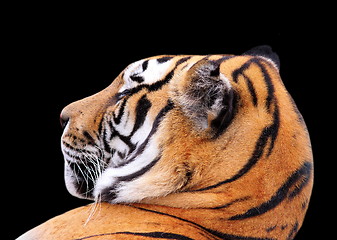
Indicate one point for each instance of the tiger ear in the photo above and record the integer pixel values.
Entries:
(206, 97)
(266, 52)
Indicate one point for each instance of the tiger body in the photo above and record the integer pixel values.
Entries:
(187, 147)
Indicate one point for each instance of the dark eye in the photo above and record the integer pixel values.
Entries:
(123, 94)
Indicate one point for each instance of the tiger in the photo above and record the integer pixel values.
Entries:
(187, 147)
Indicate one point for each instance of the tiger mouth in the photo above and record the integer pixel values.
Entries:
(83, 179)
(83, 168)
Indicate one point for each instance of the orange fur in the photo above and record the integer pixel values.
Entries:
(251, 181)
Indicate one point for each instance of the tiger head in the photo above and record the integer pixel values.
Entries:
(193, 132)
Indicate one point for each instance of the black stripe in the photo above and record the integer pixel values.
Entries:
(70, 146)
(222, 59)
(302, 177)
(158, 235)
(134, 175)
(210, 231)
(268, 81)
(182, 60)
(107, 139)
(126, 140)
(145, 65)
(152, 87)
(258, 151)
(267, 78)
(282, 193)
(117, 119)
(139, 120)
(293, 231)
(240, 70)
(115, 133)
(269, 132)
(273, 129)
(226, 115)
(169, 215)
(270, 229)
(169, 106)
(164, 59)
(136, 78)
(106, 143)
(158, 85)
(89, 138)
(232, 202)
(251, 89)
(142, 108)
(110, 193)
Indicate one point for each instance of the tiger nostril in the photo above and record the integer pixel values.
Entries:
(63, 120)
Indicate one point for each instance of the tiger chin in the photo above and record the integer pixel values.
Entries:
(214, 142)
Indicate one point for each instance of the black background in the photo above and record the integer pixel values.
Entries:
(57, 56)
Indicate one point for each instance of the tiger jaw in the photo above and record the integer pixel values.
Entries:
(88, 176)
(82, 169)
(116, 184)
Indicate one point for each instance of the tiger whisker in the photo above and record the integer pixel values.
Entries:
(80, 170)
(94, 165)
(93, 209)
(89, 158)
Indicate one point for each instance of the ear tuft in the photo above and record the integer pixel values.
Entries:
(205, 95)
(264, 51)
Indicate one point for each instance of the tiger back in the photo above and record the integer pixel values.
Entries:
(187, 147)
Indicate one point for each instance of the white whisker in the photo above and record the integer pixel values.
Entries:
(93, 209)
(90, 166)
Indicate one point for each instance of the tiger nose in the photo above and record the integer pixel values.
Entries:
(70, 112)
(64, 119)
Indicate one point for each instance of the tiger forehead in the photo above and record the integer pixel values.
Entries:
(149, 70)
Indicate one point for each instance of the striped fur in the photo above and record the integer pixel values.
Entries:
(198, 147)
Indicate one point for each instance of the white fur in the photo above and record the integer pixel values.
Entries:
(225, 80)
(126, 125)
(154, 72)
(140, 189)
(119, 146)
(110, 175)
(70, 178)
(141, 134)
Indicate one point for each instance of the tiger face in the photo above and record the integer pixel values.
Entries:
(112, 139)
(171, 127)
